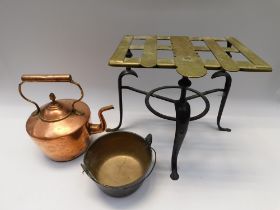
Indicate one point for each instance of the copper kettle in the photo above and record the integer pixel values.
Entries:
(61, 128)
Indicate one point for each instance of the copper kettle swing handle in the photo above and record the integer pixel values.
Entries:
(48, 78)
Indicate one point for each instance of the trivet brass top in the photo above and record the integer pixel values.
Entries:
(189, 56)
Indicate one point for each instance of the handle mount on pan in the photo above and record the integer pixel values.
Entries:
(154, 164)
(89, 173)
(48, 78)
(149, 139)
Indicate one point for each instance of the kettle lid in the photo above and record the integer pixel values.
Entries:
(57, 119)
(55, 110)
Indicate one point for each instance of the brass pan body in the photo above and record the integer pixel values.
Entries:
(118, 162)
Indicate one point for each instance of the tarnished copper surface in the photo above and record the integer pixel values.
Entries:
(186, 57)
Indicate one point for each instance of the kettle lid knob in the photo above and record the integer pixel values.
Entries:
(52, 97)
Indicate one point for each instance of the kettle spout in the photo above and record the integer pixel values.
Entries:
(98, 128)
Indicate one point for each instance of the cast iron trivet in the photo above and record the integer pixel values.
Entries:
(187, 61)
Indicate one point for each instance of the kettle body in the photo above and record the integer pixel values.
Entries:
(61, 128)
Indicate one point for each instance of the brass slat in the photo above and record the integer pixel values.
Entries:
(243, 65)
(205, 48)
(164, 47)
(211, 64)
(249, 67)
(120, 53)
(132, 62)
(230, 49)
(200, 38)
(188, 63)
(222, 57)
(246, 66)
(141, 37)
(201, 48)
(195, 38)
(163, 37)
(136, 47)
(166, 63)
(141, 47)
(149, 57)
(249, 54)
(197, 48)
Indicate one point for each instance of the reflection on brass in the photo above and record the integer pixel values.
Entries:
(119, 162)
(243, 65)
(166, 63)
(202, 38)
(120, 170)
(222, 57)
(120, 53)
(61, 128)
(149, 57)
(255, 59)
(187, 61)
(118, 159)
(197, 48)
(133, 62)
(186, 58)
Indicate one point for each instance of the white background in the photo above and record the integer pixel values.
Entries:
(218, 170)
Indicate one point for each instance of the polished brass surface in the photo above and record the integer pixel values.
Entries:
(120, 53)
(149, 57)
(118, 159)
(222, 57)
(115, 170)
(186, 59)
(61, 128)
(186, 55)
(253, 57)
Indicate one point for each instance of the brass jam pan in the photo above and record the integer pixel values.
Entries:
(119, 162)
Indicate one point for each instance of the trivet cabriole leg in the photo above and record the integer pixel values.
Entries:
(225, 92)
(183, 113)
(127, 71)
(224, 97)
(182, 119)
